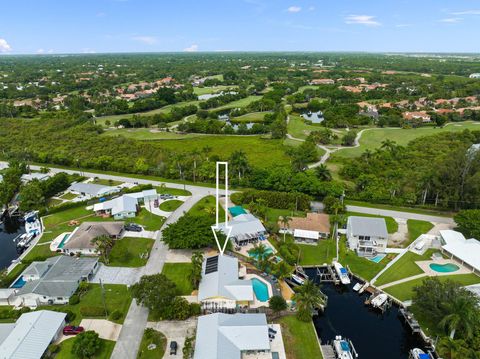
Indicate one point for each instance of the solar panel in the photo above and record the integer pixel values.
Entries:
(212, 265)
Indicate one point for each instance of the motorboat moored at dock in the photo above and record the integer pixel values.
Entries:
(342, 273)
(379, 300)
(419, 354)
(344, 348)
(298, 279)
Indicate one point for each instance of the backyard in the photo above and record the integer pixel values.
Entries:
(151, 336)
(179, 274)
(65, 351)
(299, 338)
(130, 252)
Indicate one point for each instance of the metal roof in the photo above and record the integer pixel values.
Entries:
(302, 233)
(221, 336)
(367, 226)
(32, 334)
(125, 203)
(92, 188)
(243, 224)
(467, 250)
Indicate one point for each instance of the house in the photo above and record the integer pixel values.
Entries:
(220, 287)
(307, 229)
(145, 196)
(246, 228)
(91, 190)
(322, 82)
(466, 251)
(80, 241)
(416, 115)
(367, 235)
(233, 336)
(119, 208)
(54, 280)
(30, 336)
(27, 177)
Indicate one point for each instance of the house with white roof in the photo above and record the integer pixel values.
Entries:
(367, 236)
(465, 251)
(246, 228)
(28, 177)
(119, 208)
(220, 287)
(233, 336)
(91, 190)
(30, 336)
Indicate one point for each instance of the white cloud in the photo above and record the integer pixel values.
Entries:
(451, 20)
(366, 20)
(192, 48)
(4, 46)
(149, 40)
(40, 51)
(294, 9)
(403, 25)
(467, 12)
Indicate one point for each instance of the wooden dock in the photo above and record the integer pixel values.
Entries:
(328, 352)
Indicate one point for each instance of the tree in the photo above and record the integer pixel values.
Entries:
(349, 138)
(468, 222)
(190, 231)
(86, 344)
(277, 303)
(285, 220)
(461, 314)
(323, 173)
(31, 196)
(156, 292)
(333, 205)
(309, 297)
(104, 245)
(196, 270)
(239, 163)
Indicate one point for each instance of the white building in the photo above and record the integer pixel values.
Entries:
(466, 251)
(27, 177)
(246, 228)
(119, 208)
(30, 336)
(91, 190)
(367, 236)
(475, 76)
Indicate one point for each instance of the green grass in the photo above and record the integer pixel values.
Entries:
(404, 291)
(10, 277)
(392, 226)
(52, 202)
(430, 212)
(69, 196)
(106, 182)
(372, 139)
(150, 221)
(250, 117)
(170, 206)
(39, 253)
(66, 346)
(299, 338)
(404, 267)
(417, 228)
(299, 129)
(152, 337)
(126, 252)
(173, 191)
(211, 89)
(179, 274)
(244, 102)
(67, 215)
(147, 134)
(321, 253)
(273, 214)
(205, 205)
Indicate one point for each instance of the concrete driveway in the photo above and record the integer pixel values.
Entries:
(175, 331)
(117, 275)
(105, 328)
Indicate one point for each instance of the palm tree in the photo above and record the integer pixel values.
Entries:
(104, 244)
(308, 298)
(195, 155)
(282, 270)
(285, 220)
(448, 348)
(259, 252)
(196, 271)
(462, 315)
(323, 173)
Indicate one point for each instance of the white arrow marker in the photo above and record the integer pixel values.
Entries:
(226, 228)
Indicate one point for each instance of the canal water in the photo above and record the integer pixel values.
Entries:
(374, 335)
(9, 230)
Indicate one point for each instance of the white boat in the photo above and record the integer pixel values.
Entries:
(357, 287)
(418, 354)
(297, 279)
(379, 300)
(362, 289)
(344, 348)
(342, 273)
(25, 239)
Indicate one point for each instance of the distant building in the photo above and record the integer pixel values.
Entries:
(475, 76)
(91, 190)
(322, 82)
(367, 236)
(308, 229)
(466, 251)
(27, 177)
(416, 115)
(246, 228)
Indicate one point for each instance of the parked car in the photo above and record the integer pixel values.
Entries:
(173, 348)
(133, 227)
(72, 330)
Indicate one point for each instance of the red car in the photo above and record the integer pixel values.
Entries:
(72, 330)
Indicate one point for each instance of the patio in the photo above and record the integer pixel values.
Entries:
(425, 266)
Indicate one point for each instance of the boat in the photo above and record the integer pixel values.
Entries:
(357, 287)
(342, 273)
(26, 239)
(379, 300)
(362, 289)
(297, 279)
(344, 348)
(417, 353)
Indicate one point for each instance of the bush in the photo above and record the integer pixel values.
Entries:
(92, 311)
(70, 316)
(86, 344)
(116, 315)
(195, 309)
(282, 200)
(74, 299)
(277, 303)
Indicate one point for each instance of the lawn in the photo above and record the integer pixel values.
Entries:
(127, 252)
(106, 182)
(250, 117)
(69, 196)
(211, 89)
(67, 215)
(392, 226)
(260, 151)
(39, 253)
(117, 298)
(417, 228)
(52, 202)
(170, 206)
(179, 274)
(205, 205)
(147, 134)
(151, 336)
(273, 214)
(66, 346)
(404, 291)
(372, 138)
(299, 338)
(404, 267)
(430, 212)
(243, 102)
(299, 129)
(149, 221)
(173, 191)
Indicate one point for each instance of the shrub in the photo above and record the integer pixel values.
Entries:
(116, 315)
(277, 303)
(195, 309)
(86, 344)
(74, 299)
(282, 200)
(70, 316)
(92, 311)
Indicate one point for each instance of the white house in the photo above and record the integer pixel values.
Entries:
(466, 251)
(246, 228)
(27, 177)
(367, 236)
(91, 190)
(119, 208)
(220, 287)
(30, 336)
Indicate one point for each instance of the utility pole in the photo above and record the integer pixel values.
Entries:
(103, 299)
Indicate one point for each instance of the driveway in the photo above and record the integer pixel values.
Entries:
(117, 275)
(105, 328)
(175, 331)
(142, 234)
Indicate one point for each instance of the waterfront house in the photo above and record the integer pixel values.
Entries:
(119, 208)
(246, 228)
(30, 336)
(465, 251)
(54, 280)
(91, 190)
(307, 229)
(367, 236)
(220, 287)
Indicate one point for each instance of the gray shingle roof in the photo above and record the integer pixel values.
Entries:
(367, 226)
(91, 188)
(82, 237)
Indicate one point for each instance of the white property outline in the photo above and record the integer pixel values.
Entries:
(217, 204)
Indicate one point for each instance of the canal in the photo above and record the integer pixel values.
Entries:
(374, 335)
(9, 230)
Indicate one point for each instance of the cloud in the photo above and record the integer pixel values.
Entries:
(403, 25)
(191, 48)
(467, 12)
(149, 40)
(294, 9)
(4, 46)
(87, 50)
(40, 51)
(451, 20)
(366, 20)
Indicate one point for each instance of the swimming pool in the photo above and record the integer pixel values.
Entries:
(444, 268)
(19, 283)
(260, 289)
(378, 258)
(64, 240)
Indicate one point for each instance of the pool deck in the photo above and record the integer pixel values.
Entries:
(256, 303)
(425, 266)
(244, 249)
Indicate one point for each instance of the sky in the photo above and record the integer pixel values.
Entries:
(102, 26)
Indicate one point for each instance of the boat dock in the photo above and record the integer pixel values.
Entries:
(328, 352)
(325, 273)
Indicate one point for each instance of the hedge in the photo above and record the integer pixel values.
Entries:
(281, 200)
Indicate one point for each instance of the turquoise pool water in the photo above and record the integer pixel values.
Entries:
(444, 268)
(62, 243)
(378, 258)
(19, 283)
(260, 289)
